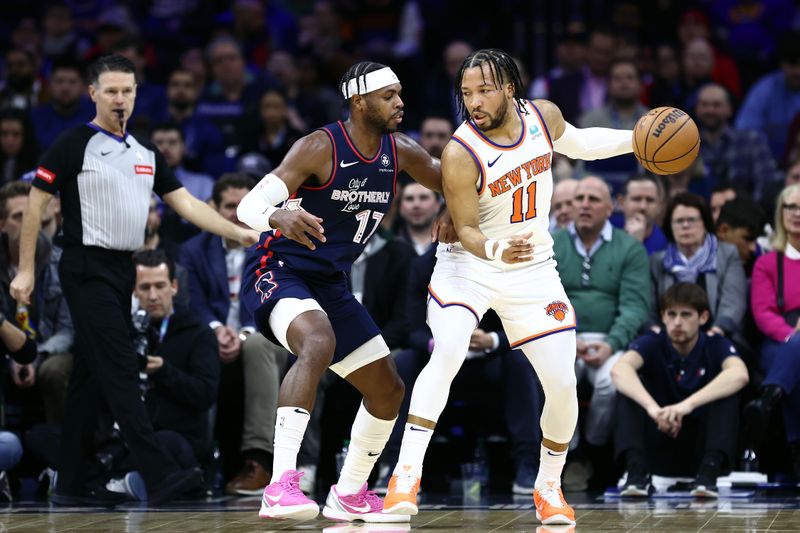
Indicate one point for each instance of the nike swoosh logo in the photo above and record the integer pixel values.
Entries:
(299, 410)
(412, 428)
(274, 499)
(554, 454)
(106, 153)
(360, 509)
(491, 163)
(373, 454)
(345, 165)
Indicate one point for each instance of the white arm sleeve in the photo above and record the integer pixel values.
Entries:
(256, 208)
(593, 143)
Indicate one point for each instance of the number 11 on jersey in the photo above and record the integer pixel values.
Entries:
(518, 197)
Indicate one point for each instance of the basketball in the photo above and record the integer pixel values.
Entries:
(666, 140)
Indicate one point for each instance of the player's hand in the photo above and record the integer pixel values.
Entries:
(581, 349)
(443, 229)
(247, 237)
(635, 226)
(298, 226)
(21, 287)
(519, 250)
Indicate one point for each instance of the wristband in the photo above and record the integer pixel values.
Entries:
(488, 248)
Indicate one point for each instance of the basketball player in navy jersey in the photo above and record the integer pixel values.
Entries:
(334, 187)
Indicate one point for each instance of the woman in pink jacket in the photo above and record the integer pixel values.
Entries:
(777, 315)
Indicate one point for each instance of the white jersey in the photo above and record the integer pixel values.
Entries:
(515, 184)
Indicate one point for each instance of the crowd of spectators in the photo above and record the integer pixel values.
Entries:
(225, 89)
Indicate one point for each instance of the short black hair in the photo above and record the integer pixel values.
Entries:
(683, 293)
(67, 63)
(743, 212)
(231, 180)
(504, 70)
(641, 177)
(12, 189)
(357, 72)
(168, 126)
(154, 258)
(110, 63)
(688, 199)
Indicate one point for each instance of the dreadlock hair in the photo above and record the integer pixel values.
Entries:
(504, 70)
(357, 72)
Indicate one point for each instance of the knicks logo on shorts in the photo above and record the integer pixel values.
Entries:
(557, 310)
(265, 286)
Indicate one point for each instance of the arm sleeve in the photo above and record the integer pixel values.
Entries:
(593, 143)
(61, 162)
(733, 293)
(195, 387)
(197, 295)
(764, 299)
(633, 305)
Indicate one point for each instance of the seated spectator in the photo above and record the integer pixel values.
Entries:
(150, 96)
(622, 111)
(434, 134)
(686, 382)
(47, 320)
(720, 195)
(694, 255)
(604, 272)
(203, 140)
(67, 106)
(641, 201)
(775, 297)
(562, 212)
(418, 209)
(740, 223)
(732, 156)
(501, 374)
(18, 150)
(154, 241)
(21, 88)
(249, 361)
(183, 370)
(774, 100)
(271, 134)
(168, 138)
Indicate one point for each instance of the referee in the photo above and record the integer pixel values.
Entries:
(106, 177)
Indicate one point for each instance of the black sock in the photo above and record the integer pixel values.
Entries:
(636, 462)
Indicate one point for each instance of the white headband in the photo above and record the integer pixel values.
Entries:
(369, 82)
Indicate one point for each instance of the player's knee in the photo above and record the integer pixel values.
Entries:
(318, 347)
(561, 385)
(396, 391)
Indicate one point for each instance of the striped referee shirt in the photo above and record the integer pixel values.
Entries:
(105, 183)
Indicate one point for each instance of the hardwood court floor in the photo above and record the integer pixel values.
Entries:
(498, 514)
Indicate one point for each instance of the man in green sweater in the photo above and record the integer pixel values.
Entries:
(606, 275)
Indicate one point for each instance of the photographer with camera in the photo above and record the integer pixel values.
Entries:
(178, 356)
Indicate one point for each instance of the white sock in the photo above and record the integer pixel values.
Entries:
(367, 438)
(551, 463)
(412, 451)
(290, 425)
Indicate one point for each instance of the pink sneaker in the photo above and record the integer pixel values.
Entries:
(284, 499)
(364, 505)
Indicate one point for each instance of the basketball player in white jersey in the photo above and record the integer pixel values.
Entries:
(498, 185)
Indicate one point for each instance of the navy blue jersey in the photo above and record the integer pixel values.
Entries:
(351, 204)
(670, 377)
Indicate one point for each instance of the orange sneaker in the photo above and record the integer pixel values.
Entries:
(401, 496)
(551, 508)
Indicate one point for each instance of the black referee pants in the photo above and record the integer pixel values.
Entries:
(97, 284)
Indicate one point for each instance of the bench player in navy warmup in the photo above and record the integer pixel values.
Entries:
(341, 177)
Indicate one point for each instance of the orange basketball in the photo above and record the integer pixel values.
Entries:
(666, 140)
(559, 315)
